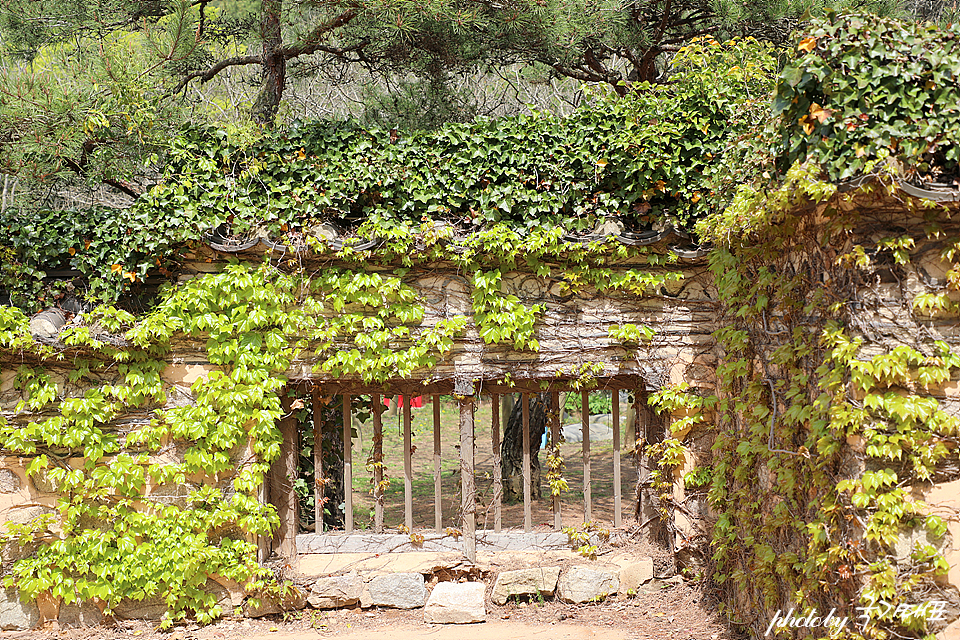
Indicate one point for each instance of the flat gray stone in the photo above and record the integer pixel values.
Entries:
(13, 550)
(398, 590)
(9, 481)
(42, 482)
(175, 494)
(78, 615)
(23, 515)
(456, 603)
(633, 576)
(400, 543)
(582, 584)
(335, 591)
(15, 614)
(525, 582)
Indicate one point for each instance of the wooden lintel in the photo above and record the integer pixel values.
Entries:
(483, 388)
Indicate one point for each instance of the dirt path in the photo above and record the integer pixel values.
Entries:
(498, 630)
(664, 611)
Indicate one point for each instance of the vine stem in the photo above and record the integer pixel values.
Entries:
(773, 420)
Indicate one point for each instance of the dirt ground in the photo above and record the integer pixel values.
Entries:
(665, 610)
(666, 607)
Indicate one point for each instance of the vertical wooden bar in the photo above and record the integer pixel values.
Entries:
(377, 463)
(507, 401)
(347, 464)
(283, 475)
(617, 515)
(497, 471)
(318, 483)
(437, 486)
(468, 492)
(264, 542)
(407, 466)
(585, 421)
(555, 442)
(527, 512)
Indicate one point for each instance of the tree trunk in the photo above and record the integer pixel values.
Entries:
(651, 429)
(512, 447)
(274, 64)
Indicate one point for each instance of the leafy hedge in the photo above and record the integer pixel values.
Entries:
(655, 156)
(657, 151)
(864, 88)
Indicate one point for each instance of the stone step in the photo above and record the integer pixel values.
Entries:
(311, 543)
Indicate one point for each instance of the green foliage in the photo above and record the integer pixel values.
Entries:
(555, 468)
(502, 318)
(114, 543)
(630, 333)
(487, 195)
(373, 314)
(794, 399)
(794, 387)
(89, 107)
(418, 104)
(651, 152)
(582, 537)
(864, 89)
(598, 402)
(91, 244)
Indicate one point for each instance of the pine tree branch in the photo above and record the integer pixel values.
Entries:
(210, 73)
(313, 41)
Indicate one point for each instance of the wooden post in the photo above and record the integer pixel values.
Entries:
(319, 492)
(407, 466)
(437, 485)
(468, 491)
(264, 542)
(617, 515)
(283, 474)
(525, 412)
(377, 463)
(507, 401)
(555, 442)
(585, 421)
(497, 470)
(347, 464)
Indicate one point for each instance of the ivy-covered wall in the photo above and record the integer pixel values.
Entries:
(143, 443)
(835, 413)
